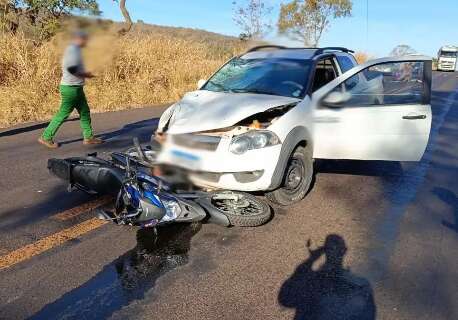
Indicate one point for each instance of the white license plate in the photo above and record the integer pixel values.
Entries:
(186, 159)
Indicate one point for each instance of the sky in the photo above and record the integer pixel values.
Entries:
(422, 24)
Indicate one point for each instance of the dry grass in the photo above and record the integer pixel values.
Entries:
(362, 57)
(137, 70)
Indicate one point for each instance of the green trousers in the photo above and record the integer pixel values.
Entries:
(72, 97)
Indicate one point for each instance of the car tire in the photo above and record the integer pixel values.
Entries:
(297, 178)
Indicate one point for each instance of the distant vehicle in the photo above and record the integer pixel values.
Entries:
(446, 58)
(259, 121)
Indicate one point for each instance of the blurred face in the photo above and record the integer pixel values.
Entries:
(81, 41)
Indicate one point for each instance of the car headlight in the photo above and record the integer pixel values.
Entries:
(255, 139)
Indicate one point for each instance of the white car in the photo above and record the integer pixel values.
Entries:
(260, 120)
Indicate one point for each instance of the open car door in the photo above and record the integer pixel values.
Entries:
(379, 110)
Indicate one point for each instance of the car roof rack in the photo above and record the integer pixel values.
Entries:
(267, 46)
(317, 52)
(323, 50)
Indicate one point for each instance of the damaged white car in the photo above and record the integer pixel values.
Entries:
(260, 120)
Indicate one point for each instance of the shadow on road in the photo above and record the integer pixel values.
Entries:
(12, 132)
(59, 199)
(328, 292)
(359, 167)
(451, 199)
(128, 278)
(123, 137)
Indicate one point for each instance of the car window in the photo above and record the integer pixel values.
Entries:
(352, 82)
(385, 84)
(345, 63)
(275, 76)
(448, 54)
(325, 72)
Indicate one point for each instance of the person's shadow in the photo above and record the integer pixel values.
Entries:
(329, 292)
(451, 199)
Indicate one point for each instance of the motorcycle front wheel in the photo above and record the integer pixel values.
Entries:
(240, 208)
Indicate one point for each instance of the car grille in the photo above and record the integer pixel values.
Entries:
(207, 176)
(196, 141)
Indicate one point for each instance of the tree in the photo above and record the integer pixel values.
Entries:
(306, 20)
(252, 17)
(126, 15)
(402, 50)
(362, 57)
(43, 15)
(8, 16)
(58, 8)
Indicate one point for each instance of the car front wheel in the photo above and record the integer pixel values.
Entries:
(297, 179)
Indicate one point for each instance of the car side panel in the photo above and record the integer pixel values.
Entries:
(293, 130)
(375, 132)
(372, 133)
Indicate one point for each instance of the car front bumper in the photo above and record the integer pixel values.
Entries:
(446, 66)
(221, 169)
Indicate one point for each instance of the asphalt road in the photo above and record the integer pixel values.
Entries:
(383, 235)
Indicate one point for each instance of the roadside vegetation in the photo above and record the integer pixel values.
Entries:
(150, 65)
(135, 64)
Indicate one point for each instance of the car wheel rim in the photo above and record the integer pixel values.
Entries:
(294, 175)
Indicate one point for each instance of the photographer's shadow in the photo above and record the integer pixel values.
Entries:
(330, 291)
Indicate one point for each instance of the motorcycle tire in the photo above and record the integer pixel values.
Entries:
(245, 210)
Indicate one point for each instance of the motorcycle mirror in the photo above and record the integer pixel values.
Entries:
(127, 166)
(138, 147)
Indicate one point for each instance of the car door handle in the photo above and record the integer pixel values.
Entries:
(415, 117)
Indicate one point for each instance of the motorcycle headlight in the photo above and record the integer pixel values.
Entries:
(172, 209)
(255, 139)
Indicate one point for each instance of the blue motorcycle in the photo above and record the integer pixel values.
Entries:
(146, 200)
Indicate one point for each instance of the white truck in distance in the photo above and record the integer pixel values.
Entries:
(446, 58)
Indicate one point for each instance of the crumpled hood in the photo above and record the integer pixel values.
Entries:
(206, 110)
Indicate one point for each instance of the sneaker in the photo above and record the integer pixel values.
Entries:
(48, 143)
(92, 141)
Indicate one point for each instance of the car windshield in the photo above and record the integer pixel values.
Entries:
(274, 76)
(450, 54)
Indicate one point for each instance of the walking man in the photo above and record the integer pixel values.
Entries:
(72, 94)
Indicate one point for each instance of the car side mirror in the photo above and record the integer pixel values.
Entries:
(201, 83)
(336, 99)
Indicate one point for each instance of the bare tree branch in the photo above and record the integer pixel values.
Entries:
(252, 17)
(126, 15)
